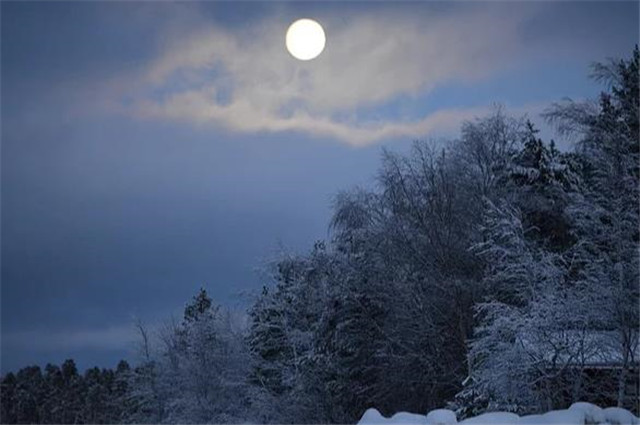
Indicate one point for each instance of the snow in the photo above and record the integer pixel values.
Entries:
(441, 417)
(409, 418)
(373, 417)
(592, 413)
(578, 414)
(530, 420)
(555, 417)
(493, 418)
(620, 416)
(564, 417)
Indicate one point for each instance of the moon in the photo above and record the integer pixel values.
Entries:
(305, 39)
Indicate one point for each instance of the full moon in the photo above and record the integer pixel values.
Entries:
(305, 39)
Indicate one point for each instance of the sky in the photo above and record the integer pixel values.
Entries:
(153, 148)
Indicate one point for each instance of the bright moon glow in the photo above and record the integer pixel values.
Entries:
(305, 39)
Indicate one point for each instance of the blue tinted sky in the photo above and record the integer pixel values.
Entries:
(152, 148)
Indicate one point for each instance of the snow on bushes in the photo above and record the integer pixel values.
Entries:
(577, 414)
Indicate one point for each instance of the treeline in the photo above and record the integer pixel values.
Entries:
(495, 260)
(194, 371)
(60, 395)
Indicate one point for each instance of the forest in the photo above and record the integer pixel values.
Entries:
(491, 272)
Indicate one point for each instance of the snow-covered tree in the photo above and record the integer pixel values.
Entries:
(561, 271)
(197, 374)
(606, 212)
(287, 369)
(533, 326)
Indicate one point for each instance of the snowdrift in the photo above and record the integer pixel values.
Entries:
(577, 414)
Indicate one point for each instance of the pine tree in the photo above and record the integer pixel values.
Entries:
(539, 181)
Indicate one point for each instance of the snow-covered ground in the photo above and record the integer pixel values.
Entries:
(577, 414)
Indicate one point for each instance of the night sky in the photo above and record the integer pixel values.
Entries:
(149, 148)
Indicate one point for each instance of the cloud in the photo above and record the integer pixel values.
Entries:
(245, 81)
(242, 116)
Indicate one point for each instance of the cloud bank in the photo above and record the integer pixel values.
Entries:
(243, 79)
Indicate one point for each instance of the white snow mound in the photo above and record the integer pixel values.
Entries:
(441, 417)
(530, 420)
(373, 417)
(493, 418)
(620, 416)
(409, 419)
(592, 414)
(564, 417)
(578, 414)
